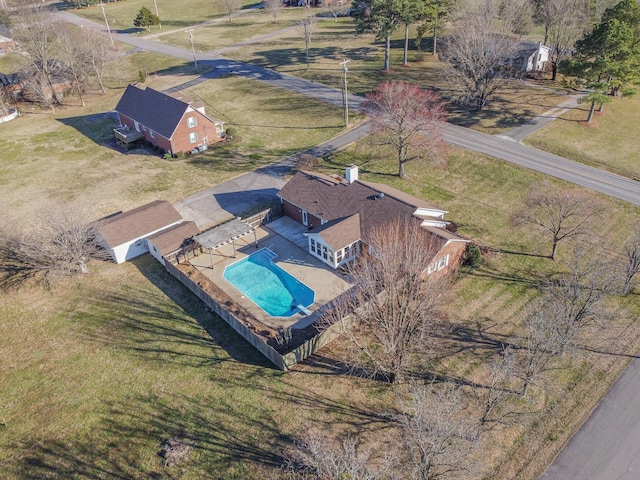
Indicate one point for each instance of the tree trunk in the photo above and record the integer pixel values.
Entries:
(601, 109)
(554, 250)
(591, 109)
(387, 50)
(435, 41)
(406, 44)
(554, 71)
(401, 169)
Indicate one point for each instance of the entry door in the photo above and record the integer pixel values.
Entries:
(305, 220)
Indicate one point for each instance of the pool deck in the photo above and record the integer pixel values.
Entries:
(323, 280)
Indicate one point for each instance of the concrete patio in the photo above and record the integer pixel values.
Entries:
(324, 281)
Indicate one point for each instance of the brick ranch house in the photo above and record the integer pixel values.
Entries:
(170, 122)
(341, 214)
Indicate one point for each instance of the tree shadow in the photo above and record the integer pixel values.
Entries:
(461, 338)
(123, 444)
(176, 327)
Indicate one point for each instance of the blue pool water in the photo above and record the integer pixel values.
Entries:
(267, 285)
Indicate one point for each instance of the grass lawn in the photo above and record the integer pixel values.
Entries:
(610, 142)
(100, 370)
(173, 15)
(70, 156)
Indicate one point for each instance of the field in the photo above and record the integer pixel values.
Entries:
(609, 142)
(99, 371)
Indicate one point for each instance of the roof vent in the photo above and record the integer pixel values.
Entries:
(380, 195)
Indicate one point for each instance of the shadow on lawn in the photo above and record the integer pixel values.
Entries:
(221, 433)
(161, 328)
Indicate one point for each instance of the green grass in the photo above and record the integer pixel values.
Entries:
(609, 142)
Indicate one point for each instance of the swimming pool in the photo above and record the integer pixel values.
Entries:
(267, 285)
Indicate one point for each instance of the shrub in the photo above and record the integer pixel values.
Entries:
(306, 161)
(231, 132)
(472, 256)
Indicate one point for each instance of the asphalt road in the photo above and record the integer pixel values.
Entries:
(502, 148)
(607, 446)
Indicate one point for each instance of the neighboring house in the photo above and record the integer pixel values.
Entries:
(341, 215)
(172, 239)
(531, 56)
(172, 123)
(124, 235)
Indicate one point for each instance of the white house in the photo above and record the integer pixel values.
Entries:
(532, 56)
(124, 235)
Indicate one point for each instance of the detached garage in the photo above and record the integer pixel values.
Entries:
(124, 235)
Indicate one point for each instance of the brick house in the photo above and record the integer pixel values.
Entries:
(342, 213)
(170, 122)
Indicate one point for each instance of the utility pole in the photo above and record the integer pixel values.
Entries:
(345, 97)
(195, 60)
(107, 23)
(157, 14)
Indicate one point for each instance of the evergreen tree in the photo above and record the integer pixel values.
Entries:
(607, 59)
(381, 17)
(145, 18)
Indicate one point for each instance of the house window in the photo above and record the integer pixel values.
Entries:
(325, 252)
(432, 268)
(443, 262)
(193, 137)
(152, 134)
(313, 246)
(192, 122)
(305, 218)
(339, 255)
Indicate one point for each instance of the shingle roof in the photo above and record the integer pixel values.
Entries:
(169, 240)
(353, 211)
(155, 110)
(341, 232)
(138, 223)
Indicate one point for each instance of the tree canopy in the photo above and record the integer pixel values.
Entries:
(607, 59)
(146, 18)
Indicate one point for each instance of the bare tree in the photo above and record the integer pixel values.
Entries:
(407, 118)
(231, 7)
(307, 25)
(319, 457)
(631, 261)
(5, 107)
(99, 54)
(498, 397)
(561, 214)
(75, 52)
(38, 35)
(564, 22)
(516, 16)
(59, 244)
(479, 54)
(437, 437)
(572, 301)
(393, 302)
(274, 7)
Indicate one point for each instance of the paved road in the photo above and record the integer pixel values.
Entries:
(503, 148)
(607, 446)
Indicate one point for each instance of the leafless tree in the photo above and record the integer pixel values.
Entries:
(231, 7)
(562, 214)
(4, 102)
(571, 303)
(319, 457)
(497, 399)
(516, 16)
(307, 25)
(437, 436)
(60, 243)
(407, 118)
(38, 35)
(274, 7)
(75, 52)
(479, 53)
(631, 265)
(564, 22)
(333, 7)
(393, 303)
(99, 54)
